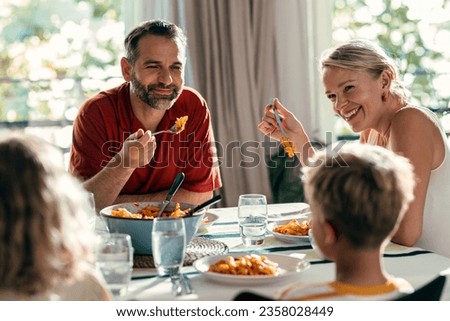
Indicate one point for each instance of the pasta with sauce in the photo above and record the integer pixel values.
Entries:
(251, 264)
(294, 227)
(149, 212)
(180, 123)
(288, 146)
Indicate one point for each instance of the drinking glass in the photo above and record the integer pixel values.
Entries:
(95, 219)
(115, 261)
(252, 215)
(168, 245)
(92, 214)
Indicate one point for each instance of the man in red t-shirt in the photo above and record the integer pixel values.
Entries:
(113, 148)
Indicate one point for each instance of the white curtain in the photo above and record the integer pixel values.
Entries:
(242, 53)
(232, 52)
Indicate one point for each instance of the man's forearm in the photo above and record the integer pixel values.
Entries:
(107, 184)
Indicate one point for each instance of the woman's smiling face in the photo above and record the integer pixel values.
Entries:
(355, 95)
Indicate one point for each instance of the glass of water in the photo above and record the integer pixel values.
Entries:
(92, 212)
(114, 255)
(96, 220)
(168, 245)
(252, 215)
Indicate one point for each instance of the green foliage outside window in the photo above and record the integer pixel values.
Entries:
(416, 33)
(54, 54)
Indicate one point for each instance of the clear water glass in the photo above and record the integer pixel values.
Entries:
(168, 245)
(96, 220)
(114, 254)
(92, 212)
(252, 216)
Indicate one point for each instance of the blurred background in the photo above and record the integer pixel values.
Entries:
(54, 54)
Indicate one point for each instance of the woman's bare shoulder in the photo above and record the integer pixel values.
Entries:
(415, 133)
(413, 113)
(415, 119)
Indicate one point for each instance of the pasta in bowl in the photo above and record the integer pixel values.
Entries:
(136, 219)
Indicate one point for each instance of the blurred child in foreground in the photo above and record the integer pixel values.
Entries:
(45, 240)
(358, 196)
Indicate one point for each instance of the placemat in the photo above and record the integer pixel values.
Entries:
(198, 247)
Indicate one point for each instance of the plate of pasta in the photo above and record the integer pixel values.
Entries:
(291, 231)
(250, 268)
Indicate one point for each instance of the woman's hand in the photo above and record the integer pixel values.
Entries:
(292, 128)
(269, 127)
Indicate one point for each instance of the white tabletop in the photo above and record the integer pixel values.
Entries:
(413, 264)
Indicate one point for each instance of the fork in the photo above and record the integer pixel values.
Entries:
(177, 285)
(277, 116)
(171, 130)
(180, 284)
(186, 284)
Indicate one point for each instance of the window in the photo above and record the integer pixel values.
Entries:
(53, 55)
(416, 33)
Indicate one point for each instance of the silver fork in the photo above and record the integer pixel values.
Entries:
(172, 130)
(186, 283)
(181, 284)
(177, 285)
(278, 118)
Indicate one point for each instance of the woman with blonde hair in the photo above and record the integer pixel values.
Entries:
(46, 243)
(362, 83)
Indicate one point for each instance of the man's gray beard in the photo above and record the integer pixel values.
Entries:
(145, 95)
(160, 104)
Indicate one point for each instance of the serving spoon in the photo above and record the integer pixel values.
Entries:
(173, 189)
(209, 202)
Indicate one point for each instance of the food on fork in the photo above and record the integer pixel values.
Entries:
(294, 227)
(149, 212)
(180, 123)
(251, 264)
(288, 146)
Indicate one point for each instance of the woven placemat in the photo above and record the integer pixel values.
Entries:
(198, 247)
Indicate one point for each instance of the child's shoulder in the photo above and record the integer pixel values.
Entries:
(305, 291)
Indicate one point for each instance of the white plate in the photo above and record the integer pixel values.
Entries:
(208, 220)
(287, 210)
(285, 237)
(289, 267)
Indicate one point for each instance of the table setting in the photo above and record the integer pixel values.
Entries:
(159, 237)
(218, 236)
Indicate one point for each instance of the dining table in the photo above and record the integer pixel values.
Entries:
(221, 237)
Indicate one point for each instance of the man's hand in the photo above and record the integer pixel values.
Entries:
(138, 149)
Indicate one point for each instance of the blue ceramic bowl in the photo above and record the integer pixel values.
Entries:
(141, 230)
